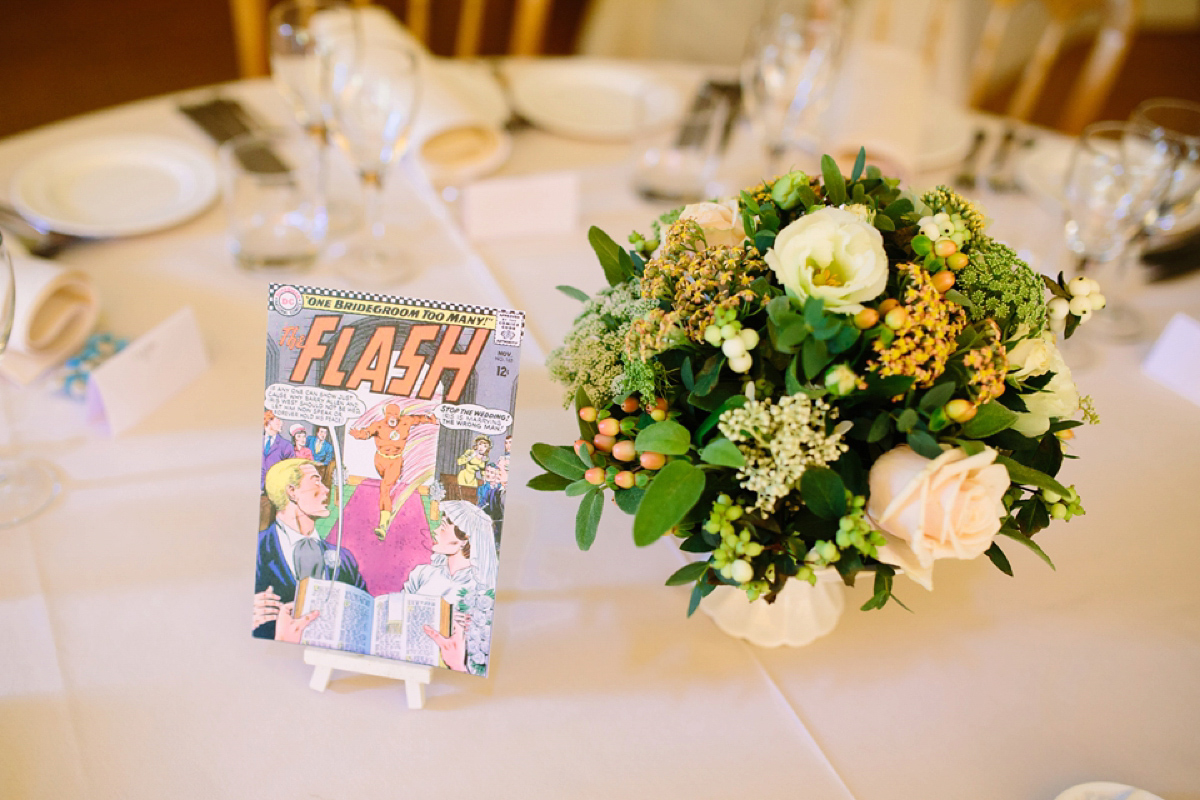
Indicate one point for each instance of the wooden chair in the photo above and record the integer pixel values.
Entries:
(1118, 19)
(528, 30)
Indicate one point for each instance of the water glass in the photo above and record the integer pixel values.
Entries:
(1178, 123)
(676, 162)
(271, 185)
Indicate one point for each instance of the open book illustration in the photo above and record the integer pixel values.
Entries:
(387, 428)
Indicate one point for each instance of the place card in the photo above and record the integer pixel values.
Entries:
(1174, 361)
(125, 389)
(533, 205)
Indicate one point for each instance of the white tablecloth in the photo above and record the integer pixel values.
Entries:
(127, 669)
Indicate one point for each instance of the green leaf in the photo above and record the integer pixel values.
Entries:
(559, 460)
(860, 161)
(846, 336)
(823, 492)
(779, 310)
(675, 489)
(816, 356)
(789, 336)
(955, 296)
(587, 519)
(908, 418)
(898, 208)
(548, 482)
(736, 401)
(884, 223)
(571, 291)
(609, 253)
(921, 244)
(709, 374)
(881, 427)
(701, 591)
(937, 397)
(999, 559)
(723, 453)
(686, 375)
(764, 241)
(791, 380)
(629, 500)
(924, 444)
(695, 544)
(991, 418)
(835, 184)
(667, 437)
(1030, 543)
(581, 486)
(687, 574)
(814, 311)
(1027, 476)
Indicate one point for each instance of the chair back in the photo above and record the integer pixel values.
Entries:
(526, 38)
(1117, 22)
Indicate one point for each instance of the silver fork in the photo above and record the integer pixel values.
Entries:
(34, 237)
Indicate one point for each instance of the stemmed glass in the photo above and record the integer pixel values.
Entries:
(299, 31)
(1116, 178)
(373, 90)
(790, 59)
(1178, 123)
(26, 485)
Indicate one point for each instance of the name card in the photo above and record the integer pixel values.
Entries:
(1174, 361)
(125, 389)
(534, 205)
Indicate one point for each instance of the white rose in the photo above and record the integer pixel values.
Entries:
(949, 507)
(847, 252)
(1031, 357)
(720, 223)
(1059, 398)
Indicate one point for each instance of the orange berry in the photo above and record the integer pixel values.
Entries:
(595, 476)
(943, 281)
(888, 305)
(960, 410)
(867, 318)
(957, 261)
(652, 460)
(624, 451)
(624, 479)
(660, 403)
(584, 443)
(630, 405)
(609, 426)
(604, 443)
(896, 317)
(588, 413)
(658, 415)
(944, 247)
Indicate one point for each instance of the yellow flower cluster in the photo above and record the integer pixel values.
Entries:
(943, 198)
(696, 282)
(926, 339)
(988, 365)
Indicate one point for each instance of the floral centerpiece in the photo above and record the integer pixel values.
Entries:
(828, 372)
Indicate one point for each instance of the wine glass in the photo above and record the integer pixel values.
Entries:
(1116, 177)
(1176, 122)
(790, 59)
(373, 90)
(299, 31)
(26, 485)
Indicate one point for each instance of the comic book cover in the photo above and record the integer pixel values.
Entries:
(387, 428)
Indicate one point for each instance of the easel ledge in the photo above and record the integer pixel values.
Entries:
(415, 676)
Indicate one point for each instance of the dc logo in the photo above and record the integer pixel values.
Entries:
(287, 300)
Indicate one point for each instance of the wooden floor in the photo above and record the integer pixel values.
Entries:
(59, 58)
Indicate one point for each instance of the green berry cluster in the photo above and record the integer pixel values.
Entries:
(737, 546)
(855, 530)
(1061, 507)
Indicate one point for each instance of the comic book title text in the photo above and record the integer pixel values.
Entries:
(326, 345)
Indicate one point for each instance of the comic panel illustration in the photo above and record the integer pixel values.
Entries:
(387, 428)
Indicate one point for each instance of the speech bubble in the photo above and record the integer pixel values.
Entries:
(473, 418)
(313, 404)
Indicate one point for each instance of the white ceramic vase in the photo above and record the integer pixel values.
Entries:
(800, 614)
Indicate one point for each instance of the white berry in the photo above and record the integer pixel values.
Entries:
(1097, 301)
(1079, 286)
(1058, 308)
(712, 335)
(734, 347)
(749, 338)
(741, 363)
(741, 571)
(1080, 304)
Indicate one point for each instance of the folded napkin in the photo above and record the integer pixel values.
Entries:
(56, 309)
(876, 103)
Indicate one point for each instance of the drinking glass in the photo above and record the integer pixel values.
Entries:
(1176, 122)
(299, 31)
(789, 63)
(1117, 176)
(26, 485)
(373, 89)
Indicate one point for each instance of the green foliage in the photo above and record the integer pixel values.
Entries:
(587, 519)
(675, 489)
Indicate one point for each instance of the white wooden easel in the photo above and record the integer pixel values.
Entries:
(324, 662)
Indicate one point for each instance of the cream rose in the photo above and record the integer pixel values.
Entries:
(831, 254)
(949, 507)
(1058, 399)
(1031, 356)
(721, 225)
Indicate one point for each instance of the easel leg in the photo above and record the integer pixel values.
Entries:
(320, 677)
(415, 690)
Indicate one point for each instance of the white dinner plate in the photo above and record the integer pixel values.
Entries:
(115, 186)
(1104, 790)
(588, 98)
